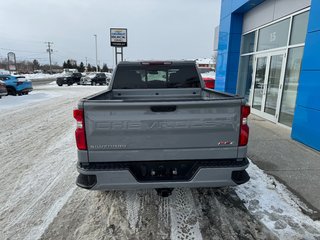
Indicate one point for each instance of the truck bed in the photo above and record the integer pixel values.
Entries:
(155, 95)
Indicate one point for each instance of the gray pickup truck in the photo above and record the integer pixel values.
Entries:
(157, 126)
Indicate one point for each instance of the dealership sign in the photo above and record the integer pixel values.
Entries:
(118, 37)
(12, 65)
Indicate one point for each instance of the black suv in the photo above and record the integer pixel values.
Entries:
(100, 79)
(69, 79)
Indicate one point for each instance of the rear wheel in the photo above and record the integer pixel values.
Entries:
(12, 91)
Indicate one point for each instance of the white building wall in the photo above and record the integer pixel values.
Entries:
(271, 10)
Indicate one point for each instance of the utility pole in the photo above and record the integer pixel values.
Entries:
(95, 35)
(86, 64)
(49, 50)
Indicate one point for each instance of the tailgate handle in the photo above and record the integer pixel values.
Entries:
(163, 108)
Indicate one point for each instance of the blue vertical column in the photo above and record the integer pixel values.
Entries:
(307, 114)
(229, 48)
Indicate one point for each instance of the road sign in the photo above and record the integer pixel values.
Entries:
(118, 37)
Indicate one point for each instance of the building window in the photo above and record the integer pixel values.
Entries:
(248, 42)
(274, 36)
(299, 28)
(290, 87)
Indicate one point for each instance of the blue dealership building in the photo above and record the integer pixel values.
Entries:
(269, 52)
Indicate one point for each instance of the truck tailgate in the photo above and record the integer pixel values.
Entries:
(145, 131)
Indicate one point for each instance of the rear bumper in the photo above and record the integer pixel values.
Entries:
(123, 176)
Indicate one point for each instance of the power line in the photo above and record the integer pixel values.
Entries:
(15, 50)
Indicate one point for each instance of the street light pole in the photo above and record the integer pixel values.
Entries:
(95, 35)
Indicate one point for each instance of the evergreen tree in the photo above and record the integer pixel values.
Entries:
(93, 69)
(89, 68)
(105, 68)
(36, 64)
(68, 65)
(81, 67)
(64, 65)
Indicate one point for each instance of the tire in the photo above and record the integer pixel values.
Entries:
(12, 91)
(59, 84)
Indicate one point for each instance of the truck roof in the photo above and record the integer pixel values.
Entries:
(160, 62)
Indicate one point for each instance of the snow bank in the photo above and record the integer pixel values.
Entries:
(276, 207)
(43, 76)
(12, 102)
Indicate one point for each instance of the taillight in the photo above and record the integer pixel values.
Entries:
(80, 131)
(244, 128)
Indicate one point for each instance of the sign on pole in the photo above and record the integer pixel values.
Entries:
(12, 65)
(118, 37)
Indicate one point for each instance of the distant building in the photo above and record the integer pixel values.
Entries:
(70, 70)
(205, 62)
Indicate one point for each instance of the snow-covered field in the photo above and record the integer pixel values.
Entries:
(39, 199)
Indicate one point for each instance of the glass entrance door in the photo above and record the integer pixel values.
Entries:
(259, 80)
(267, 84)
(272, 91)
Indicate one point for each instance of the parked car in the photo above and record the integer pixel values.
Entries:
(208, 76)
(158, 126)
(94, 79)
(17, 84)
(69, 79)
(3, 89)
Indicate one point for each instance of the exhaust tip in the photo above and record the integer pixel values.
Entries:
(240, 177)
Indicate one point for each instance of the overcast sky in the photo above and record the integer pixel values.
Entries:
(157, 29)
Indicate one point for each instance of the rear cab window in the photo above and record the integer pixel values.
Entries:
(156, 76)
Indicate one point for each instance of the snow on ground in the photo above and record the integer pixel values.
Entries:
(14, 102)
(43, 76)
(276, 207)
(39, 199)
